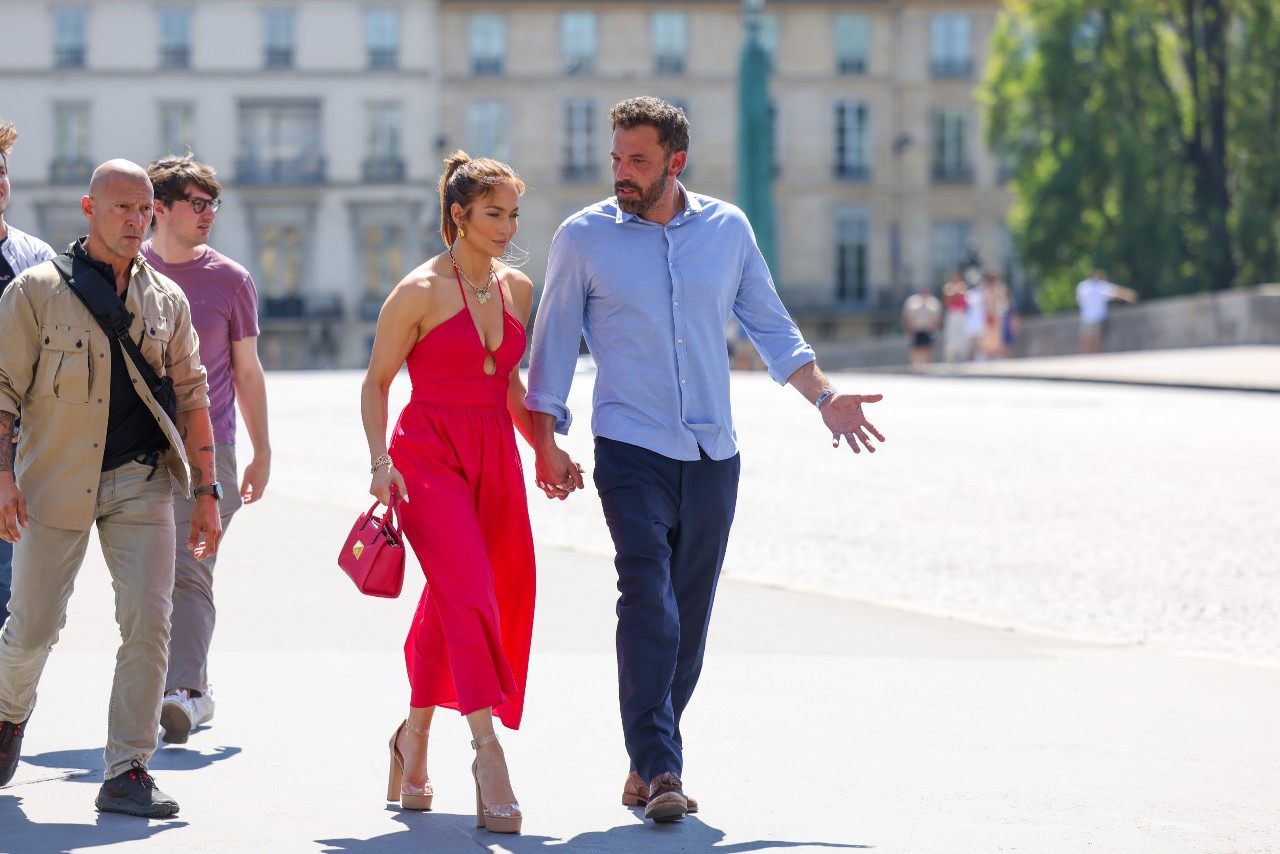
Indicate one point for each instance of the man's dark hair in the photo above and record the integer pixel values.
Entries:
(171, 175)
(668, 120)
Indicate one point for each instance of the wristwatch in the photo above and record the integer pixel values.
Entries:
(214, 489)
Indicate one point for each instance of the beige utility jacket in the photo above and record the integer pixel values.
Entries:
(56, 366)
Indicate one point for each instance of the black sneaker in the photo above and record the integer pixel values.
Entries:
(134, 792)
(10, 748)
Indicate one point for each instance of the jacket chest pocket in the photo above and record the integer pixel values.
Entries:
(156, 332)
(63, 370)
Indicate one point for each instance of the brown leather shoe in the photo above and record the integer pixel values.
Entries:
(666, 798)
(635, 793)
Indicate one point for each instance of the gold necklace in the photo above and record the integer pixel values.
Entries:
(482, 294)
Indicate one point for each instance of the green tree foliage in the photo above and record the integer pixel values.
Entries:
(1142, 140)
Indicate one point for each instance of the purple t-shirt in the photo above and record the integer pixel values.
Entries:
(224, 309)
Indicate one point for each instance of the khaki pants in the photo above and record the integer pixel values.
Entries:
(191, 627)
(135, 527)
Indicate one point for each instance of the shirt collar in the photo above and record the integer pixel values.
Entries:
(692, 207)
(101, 266)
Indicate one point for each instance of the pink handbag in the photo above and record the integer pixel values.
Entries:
(374, 553)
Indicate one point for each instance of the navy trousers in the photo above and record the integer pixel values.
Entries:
(670, 523)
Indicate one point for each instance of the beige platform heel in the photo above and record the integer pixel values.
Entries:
(410, 796)
(496, 818)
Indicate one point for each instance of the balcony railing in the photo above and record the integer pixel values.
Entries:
(952, 173)
(307, 170)
(70, 170)
(175, 56)
(384, 57)
(383, 170)
(952, 68)
(579, 65)
(859, 172)
(278, 57)
(579, 172)
(71, 56)
(852, 65)
(298, 307)
(668, 64)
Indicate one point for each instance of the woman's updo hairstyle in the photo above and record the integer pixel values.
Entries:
(465, 181)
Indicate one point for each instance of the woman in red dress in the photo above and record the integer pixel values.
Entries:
(459, 321)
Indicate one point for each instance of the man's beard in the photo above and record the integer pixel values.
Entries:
(649, 196)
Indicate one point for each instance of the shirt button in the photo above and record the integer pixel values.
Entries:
(677, 302)
(681, 382)
(679, 340)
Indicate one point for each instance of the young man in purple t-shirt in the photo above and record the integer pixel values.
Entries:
(224, 310)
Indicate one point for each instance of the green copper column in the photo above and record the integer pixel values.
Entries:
(755, 137)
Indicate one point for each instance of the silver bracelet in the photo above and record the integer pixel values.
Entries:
(824, 397)
(384, 460)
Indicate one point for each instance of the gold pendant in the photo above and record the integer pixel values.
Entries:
(357, 549)
(482, 297)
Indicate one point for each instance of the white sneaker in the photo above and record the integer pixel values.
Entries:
(180, 713)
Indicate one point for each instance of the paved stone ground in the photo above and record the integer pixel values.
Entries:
(1118, 513)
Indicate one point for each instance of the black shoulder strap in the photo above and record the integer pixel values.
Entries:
(99, 296)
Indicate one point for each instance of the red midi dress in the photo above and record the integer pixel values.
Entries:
(467, 520)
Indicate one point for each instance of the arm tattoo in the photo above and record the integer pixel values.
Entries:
(6, 441)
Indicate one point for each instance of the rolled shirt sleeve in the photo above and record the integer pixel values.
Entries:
(765, 319)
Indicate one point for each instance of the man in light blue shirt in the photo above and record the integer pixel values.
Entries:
(651, 276)
(18, 251)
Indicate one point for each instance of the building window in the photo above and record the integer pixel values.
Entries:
(71, 163)
(384, 162)
(175, 38)
(853, 141)
(69, 45)
(61, 223)
(487, 35)
(950, 247)
(382, 37)
(279, 236)
(853, 40)
(578, 42)
(853, 270)
(950, 149)
(177, 128)
(951, 54)
(487, 125)
(280, 144)
(670, 42)
(579, 151)
(383, 262)
(278, 43)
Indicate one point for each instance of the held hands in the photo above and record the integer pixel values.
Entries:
(844, 417)
(557, 473)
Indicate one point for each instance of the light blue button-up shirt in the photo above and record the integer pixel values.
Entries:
(652, 301)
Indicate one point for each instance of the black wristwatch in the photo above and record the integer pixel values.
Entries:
(214, 489)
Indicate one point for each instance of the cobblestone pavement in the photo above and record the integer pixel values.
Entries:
(1116, 513)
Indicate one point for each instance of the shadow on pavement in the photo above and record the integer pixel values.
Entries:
(434, 830)
(185, 759)
(25, 835)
